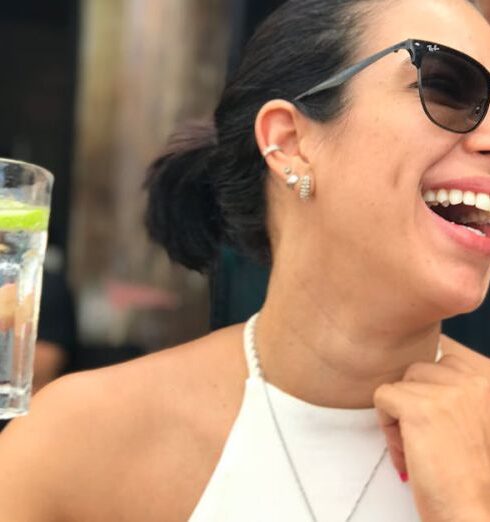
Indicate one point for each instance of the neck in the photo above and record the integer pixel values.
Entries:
(335, 352)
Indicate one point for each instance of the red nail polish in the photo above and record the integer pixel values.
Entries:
(404, 477)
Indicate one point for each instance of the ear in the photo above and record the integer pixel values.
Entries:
(280, 123)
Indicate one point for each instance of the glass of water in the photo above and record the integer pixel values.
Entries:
(25, 196)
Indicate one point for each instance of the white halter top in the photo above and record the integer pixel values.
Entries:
(334, 451)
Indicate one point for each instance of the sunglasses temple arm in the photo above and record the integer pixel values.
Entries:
(343, 76)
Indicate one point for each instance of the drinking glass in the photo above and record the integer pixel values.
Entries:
(25, 196)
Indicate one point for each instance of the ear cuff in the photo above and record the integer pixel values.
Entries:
(270, 149)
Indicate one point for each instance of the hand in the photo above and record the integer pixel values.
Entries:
(437, 426)
(13, 313)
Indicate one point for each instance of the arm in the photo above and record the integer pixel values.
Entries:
(27, 481)
(41, 455)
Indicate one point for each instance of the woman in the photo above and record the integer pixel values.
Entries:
(322, 169)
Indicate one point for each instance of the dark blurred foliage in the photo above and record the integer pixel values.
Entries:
(39, 43)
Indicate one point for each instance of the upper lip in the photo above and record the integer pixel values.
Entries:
(474, 184)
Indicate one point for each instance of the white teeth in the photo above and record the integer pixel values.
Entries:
(469, 198)
(475, 231)
(446, 197)
(442, 196)
(456, 197)
(483, 202)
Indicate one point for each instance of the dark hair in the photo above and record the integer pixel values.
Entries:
(208, 188)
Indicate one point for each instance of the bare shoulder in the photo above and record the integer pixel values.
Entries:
(471, 356)
(85, 430)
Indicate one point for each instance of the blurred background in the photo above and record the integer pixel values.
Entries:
(91, 90)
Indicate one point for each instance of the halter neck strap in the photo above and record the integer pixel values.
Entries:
(251, 355)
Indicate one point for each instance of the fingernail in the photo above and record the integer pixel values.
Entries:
(404, 477)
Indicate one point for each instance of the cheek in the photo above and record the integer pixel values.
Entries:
(363, 184)
(389, 118)
(369, 175)
(370, 197)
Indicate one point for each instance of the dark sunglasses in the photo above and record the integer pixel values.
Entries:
(454, 88)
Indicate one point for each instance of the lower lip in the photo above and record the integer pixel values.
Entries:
(461, 235)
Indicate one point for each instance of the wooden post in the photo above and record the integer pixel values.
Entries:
(146, 65)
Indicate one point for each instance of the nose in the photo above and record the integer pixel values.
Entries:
(478, 140)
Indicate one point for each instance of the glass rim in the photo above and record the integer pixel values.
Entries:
(49, 175)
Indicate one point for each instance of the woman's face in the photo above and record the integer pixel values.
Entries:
(373, 165)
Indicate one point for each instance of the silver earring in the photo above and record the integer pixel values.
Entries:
(270, 149)
(292, 178)
(305, 188)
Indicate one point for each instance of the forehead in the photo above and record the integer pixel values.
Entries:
(454, 23)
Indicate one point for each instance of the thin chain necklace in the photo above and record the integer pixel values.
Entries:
(252, 350)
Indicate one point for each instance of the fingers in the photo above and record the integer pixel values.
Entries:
(394, 442)
(421, 380)
(391, 402)
(410, 399)
(8, 303)
(452, 361)
(449, 372)
(396, 401)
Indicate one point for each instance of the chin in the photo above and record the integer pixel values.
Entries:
(465, 295)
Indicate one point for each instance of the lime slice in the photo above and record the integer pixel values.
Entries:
(15, 215)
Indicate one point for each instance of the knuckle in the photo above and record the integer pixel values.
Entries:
(411, 372)
(417, 371)
(381, 391)
(423, 413)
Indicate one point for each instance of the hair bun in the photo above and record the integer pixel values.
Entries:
(182, 214)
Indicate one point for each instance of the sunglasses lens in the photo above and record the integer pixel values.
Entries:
(454, 91)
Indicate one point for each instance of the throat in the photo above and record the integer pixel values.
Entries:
(341, 376)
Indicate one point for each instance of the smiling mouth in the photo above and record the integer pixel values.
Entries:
(470, 210)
